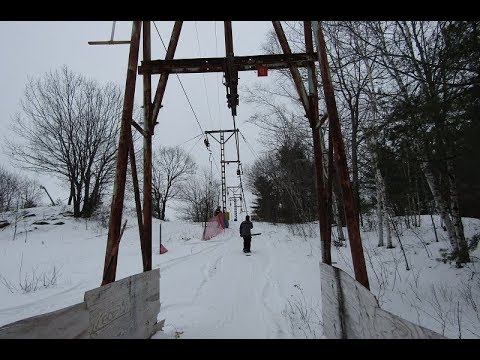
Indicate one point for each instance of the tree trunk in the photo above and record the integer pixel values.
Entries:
(336, 195)
(385, 211)
(434, 228)
(156, 207)
(77, 201)
(463, 255)
(355, 186)
(95, 196)
(337, 204)
(338, 219)
(76, 207)
(87, 209)
(162, 215)
(382, 210)
(378, 186)
(410, 202)
(379, 183)
(441, 206)
(72, 193)
(417, 193)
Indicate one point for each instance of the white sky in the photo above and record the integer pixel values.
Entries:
(210, 289)
(32, 48)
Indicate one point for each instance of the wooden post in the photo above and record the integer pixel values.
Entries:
(51, 200)
(297, 79)
(231, 73)
(138, 205)
(147, 154)
(353, 227)
(310, 104)
(116, 209)
(160, 238)
(162, 83)
(322, 196)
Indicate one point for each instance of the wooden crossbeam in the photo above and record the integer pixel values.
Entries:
(220, 131)
(109, 42)
(242, 63)
(139, 128)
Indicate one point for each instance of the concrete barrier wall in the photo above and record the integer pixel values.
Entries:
(126, 308)
(350, 311)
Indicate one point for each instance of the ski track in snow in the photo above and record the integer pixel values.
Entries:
(182, 259)
(246, 296)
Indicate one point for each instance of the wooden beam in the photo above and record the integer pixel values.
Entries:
(162, 82)
(297, 79)
(241, 63)
(313, 115)
(231, 74)
(321, 121)
(136, 192)
(351, 215)
(147, 154)
(116, 208)
(220, 131)
(139, 128)
(109, 42)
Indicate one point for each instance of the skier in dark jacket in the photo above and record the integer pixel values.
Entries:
(245, 232)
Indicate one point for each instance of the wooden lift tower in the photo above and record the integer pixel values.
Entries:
(230, 65)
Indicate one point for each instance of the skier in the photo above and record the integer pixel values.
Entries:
(225, 218)
(220, 217)
(245, 232)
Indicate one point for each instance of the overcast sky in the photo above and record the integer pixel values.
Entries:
(32, 48)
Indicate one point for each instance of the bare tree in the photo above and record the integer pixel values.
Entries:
(171, 168)
(68, 128)
(199, 197)
(30, 193)
(9, 185)
(18, 190)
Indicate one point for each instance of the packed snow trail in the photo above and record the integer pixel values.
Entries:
(234, 296)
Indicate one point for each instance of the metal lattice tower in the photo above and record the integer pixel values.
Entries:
(222, 162)
(237, 193)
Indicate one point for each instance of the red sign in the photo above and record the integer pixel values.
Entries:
(262, 70)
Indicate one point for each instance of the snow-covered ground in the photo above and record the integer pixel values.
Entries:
(210, 289)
